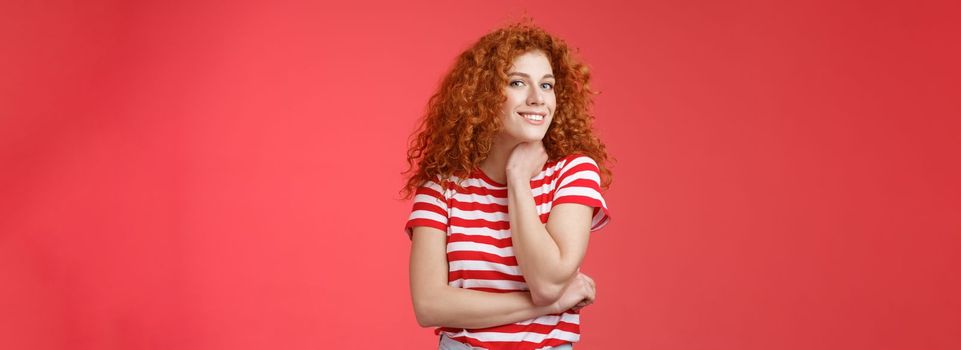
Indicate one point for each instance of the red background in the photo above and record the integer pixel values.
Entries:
(223, 174)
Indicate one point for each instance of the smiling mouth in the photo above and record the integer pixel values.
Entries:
(534, 117)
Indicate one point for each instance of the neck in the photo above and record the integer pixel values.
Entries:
(495, 165)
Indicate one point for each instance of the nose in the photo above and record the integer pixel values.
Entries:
(535, 96)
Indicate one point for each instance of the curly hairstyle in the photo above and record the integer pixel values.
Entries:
(463, 116)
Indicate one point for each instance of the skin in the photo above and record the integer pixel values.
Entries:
(549, 256)
(529, 89)
(436, 304)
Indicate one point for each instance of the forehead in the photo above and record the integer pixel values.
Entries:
(533, 63)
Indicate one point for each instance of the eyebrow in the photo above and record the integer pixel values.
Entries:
(528, 76)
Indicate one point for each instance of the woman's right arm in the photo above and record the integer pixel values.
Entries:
(436, 304)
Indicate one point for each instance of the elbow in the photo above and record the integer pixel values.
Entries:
(425, 321)
(545, 295)
(429, 303)
(425, 314)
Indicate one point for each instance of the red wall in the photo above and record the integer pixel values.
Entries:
(212, 175)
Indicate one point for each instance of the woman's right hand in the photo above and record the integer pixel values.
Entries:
(578, 294)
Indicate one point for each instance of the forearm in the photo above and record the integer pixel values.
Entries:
(545, 269)
(447, 306)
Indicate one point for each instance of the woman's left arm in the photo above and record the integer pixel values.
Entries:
(548, 256)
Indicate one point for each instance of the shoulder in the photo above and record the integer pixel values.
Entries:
(450, 185)
(576, 161)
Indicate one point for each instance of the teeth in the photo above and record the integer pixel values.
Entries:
(534, 117)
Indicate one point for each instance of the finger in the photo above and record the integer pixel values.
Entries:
(588, 278)
(588, 281)
(589, 285)
(580, 306)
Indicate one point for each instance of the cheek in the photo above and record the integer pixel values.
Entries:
(516, 97)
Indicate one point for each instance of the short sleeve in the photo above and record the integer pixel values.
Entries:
(429, 209)
(580, 182)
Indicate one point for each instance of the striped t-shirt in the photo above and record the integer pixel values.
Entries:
(479, 252)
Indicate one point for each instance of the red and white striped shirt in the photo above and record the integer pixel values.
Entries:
(479, 251)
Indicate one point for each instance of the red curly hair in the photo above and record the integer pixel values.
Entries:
(463, 116)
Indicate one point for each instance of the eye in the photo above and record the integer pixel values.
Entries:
(547, 86)
(516, 83)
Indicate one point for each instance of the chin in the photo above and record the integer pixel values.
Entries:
(529, 136)
(534, 138)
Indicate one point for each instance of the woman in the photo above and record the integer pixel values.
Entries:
(509, 128)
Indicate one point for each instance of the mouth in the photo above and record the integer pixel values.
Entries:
(535, 118)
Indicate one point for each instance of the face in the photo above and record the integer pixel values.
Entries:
(530, 104)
